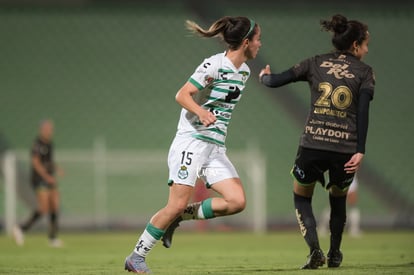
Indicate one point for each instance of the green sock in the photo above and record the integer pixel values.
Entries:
(206, 209)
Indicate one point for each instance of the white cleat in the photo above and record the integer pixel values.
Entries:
(18, 235)
(55, 243)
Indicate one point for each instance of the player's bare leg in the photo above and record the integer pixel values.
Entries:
(232, 201)
(42, 207)
(54, 200)
(178, 198)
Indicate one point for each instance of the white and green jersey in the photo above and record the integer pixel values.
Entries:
(220, 86)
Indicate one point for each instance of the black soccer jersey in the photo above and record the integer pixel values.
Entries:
(336, 81)
(45, 153)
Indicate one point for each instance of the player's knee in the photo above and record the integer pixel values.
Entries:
(237, 205)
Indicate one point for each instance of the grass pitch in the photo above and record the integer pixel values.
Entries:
(206, 253)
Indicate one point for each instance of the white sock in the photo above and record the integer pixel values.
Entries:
(145, 243)
(200, 213)
(193, 212)
(199, 210)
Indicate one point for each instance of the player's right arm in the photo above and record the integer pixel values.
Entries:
(39, 167)
(184, 97)
(41, 170)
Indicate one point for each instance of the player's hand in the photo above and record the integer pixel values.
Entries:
(266, 70)
(354, 163)
(51, 180)
(206, 117)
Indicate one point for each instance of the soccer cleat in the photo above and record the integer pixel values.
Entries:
(315, 260)
(18, 235)
(167, 237)
(136, 264)
(335, 258)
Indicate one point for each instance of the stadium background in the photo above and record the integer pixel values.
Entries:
(109, 70)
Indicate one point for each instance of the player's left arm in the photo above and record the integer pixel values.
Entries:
(362, 130)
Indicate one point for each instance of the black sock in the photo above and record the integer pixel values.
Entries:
(28, 224)
(337, 222)
(306, 220)
(53, 225)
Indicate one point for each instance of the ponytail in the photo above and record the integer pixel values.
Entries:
(232, 30)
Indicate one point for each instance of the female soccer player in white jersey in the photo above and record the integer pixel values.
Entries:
(208, 99)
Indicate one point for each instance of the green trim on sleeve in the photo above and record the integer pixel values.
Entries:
(195, 83)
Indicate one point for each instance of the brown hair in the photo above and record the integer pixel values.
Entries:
(232, 30)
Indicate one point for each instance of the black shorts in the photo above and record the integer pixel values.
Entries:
(42, 185)
(311, 165)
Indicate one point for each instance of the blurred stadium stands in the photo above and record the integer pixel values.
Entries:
(111, 69)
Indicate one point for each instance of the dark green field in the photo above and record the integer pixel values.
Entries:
(206, 253)
(111, 71)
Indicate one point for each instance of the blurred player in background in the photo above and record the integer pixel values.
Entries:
(208, 99)
(334, 137)
(353, 217)
(4, 147)
(44, 182)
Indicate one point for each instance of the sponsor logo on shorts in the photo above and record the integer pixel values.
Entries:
(183, 172)
(299, 172)
(207, 172)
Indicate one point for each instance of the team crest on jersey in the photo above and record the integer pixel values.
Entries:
(208, 79)
(183, 172)
(244, 75)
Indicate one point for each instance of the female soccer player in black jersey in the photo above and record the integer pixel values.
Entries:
(45, 184)
(333, 140)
